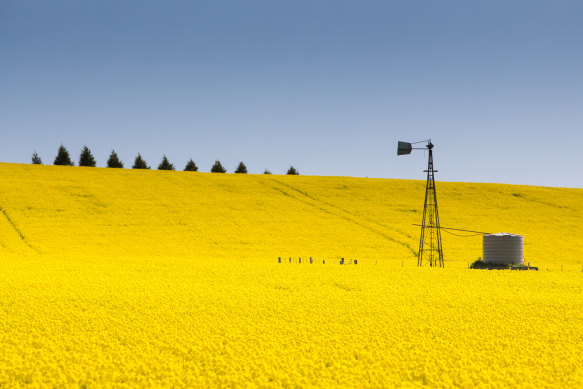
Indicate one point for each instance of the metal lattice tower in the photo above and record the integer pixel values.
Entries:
(430, 249)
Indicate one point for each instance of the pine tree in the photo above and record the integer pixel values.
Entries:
(62, 157)
(86, 158)
(114, 160)
(165, 164)
(218, 168)
(241, 168)
(191, 166)
(36, 159)
(139, 163)
(292, 171)
(266, 171)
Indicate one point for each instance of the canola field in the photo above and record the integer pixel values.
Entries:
(124, 278)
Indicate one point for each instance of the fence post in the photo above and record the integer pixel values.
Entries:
(300, 259)
(310, 260)
(289, 259)
(279, 259)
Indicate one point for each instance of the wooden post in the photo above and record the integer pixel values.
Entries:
(300, 259)
(279, 259)
(310, 260)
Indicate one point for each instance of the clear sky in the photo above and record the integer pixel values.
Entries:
(326, 86)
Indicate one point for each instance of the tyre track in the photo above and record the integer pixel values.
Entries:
(17, 230)
(352, 214)
(319, 204)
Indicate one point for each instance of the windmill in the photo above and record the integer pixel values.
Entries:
(430, 248)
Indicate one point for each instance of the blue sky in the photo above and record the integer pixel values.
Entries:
(326, 86)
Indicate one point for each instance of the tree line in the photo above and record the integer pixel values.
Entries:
(86, 159)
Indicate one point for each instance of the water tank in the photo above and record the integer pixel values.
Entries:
(502, 248)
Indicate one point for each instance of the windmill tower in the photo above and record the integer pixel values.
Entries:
(430, 248)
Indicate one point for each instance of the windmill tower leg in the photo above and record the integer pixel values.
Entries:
(430, 249)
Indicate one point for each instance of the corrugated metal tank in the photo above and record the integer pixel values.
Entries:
(502, 248)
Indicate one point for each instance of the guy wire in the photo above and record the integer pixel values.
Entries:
(475, 233)
(463, 236)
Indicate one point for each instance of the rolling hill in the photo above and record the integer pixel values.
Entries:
(93, 212)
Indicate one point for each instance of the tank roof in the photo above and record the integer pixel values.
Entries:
(503, 234)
